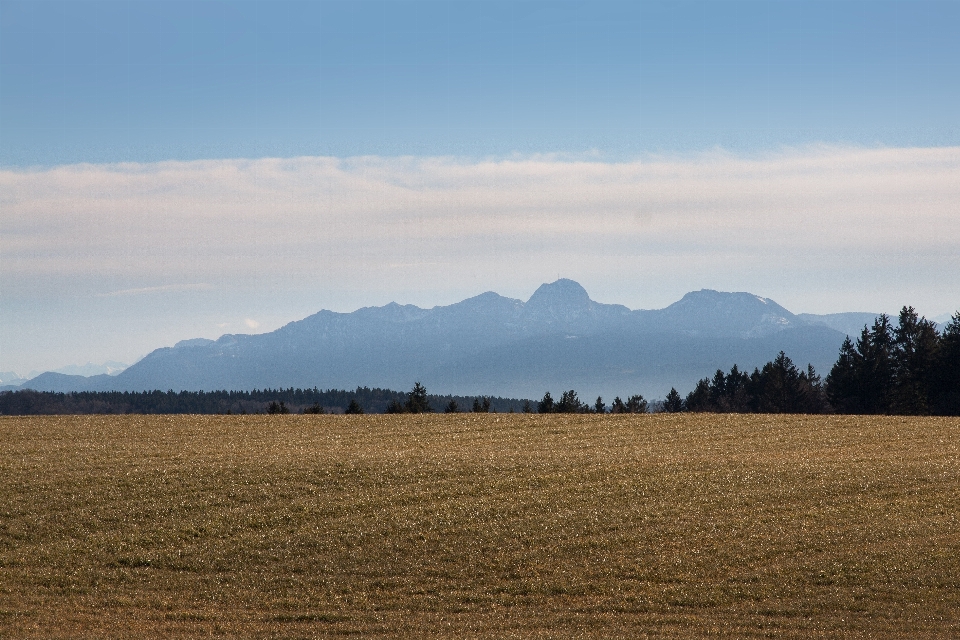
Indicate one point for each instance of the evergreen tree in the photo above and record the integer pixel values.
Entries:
(315, 408)
(876, 378)
(452, 407)
(599, 406)
(673, 403)
(698, 400)
(569, 403)
(780, 387)
(843, 381)
(275, 408)
(916, 346)
(618, 406)
(814, 393)
(546, 405)
(736, 398)
(636, 404)
(946, 378)
(353, 408)
(417, 400)
(718, 390)
(527, 408)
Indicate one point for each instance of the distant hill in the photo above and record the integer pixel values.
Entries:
(90, 369)
(850, 324)
(489, 344)
(11, 379)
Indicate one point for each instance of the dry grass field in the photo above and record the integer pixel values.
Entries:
(479, 526)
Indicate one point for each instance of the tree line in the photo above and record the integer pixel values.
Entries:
(257, 401)
(910, 369)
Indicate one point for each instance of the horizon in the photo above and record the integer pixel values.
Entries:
(75, 368)
(179, 170)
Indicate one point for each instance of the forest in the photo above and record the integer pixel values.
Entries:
(265, 401)
(909, 368)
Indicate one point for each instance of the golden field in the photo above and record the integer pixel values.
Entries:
(479, 525)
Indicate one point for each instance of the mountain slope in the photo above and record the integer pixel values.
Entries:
(490, 344)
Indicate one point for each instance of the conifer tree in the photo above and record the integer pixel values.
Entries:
(546, 405)
(916, 347)
(599, 406)
(673, 403)
(636, 404)
(946, 378)
(618, 406)
(417, 400)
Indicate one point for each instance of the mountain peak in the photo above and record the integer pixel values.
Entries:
(724, 313)
(562, 293)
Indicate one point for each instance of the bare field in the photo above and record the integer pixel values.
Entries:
(479, 526)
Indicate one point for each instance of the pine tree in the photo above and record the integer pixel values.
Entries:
(417, 400)
(915, 353)
(698, 400)
(636, 404)
(843, 381)
(876, 378)
(599, 406)
(946, 376)
(618, 406)
(569, 402)
(481, 406)
(673, 403)
(780, 387)
(546, 405)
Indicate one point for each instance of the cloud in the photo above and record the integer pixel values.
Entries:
(822, 221)
(167, 288)
(253, 324)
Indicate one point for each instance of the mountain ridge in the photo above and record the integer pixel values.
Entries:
(490, 344)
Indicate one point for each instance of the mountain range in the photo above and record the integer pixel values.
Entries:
(489, 344)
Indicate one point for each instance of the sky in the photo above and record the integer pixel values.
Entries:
(171, 170)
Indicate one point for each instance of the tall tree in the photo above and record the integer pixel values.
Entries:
(599, 406)
(618, 406)
(876, 378)
(673, 403)
(546, 405)
(946, 379)
(636, 404)
(569, 403)
(780, 387)
(698, 400)
(843, 381)
(417, 400)
(481, 405)
(916, 346)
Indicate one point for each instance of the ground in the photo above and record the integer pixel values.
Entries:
(479, 525)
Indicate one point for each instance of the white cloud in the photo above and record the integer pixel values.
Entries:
(166, 288)
(252, 324)
(825, 228)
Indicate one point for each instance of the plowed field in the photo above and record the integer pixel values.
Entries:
(477, 525)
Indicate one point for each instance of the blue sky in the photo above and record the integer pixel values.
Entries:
(146, 81)
(170, 170)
